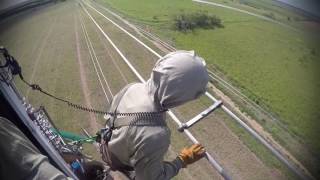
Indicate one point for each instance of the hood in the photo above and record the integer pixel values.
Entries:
(177, 78)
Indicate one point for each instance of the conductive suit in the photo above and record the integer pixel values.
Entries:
(176, 78)
(20, 159)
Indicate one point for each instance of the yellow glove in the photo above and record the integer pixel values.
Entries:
(191, 154)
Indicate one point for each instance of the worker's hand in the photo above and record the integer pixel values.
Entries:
(191, 154)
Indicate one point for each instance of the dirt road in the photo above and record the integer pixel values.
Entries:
(83, 78)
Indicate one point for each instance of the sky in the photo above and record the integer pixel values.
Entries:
(311, 6)
(4, 4)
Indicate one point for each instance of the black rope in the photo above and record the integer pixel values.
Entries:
(36, 87)
(16, 70)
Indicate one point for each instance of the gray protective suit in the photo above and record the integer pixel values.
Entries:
(176, 78)
(20, 159)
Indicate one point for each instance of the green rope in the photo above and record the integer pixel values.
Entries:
(75, 137)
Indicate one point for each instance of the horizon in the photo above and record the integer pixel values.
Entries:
(310, 6)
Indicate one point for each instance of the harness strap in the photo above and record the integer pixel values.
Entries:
(115, 103)
(147, 119)
(143, 120)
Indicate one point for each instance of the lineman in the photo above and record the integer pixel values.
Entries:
(138, 143)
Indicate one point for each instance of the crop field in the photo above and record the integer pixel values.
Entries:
(272, 9)
(61, 48)
(275, 66)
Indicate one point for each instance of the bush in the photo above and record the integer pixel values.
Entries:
(270, 15)
(185, 22)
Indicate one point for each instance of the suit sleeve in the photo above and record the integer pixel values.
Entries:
(152, 166)
(20, 158)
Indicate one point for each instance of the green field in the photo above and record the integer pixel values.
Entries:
(273, 65)
(268, 8)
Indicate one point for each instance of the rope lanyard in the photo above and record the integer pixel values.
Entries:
(15, 69)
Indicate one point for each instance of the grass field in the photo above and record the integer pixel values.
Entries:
(221, 142)
(273, 65)
(49, 41)
(268, 8)
(45, 48)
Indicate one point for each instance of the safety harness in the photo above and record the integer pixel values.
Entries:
(142, 119)
(116, 121)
